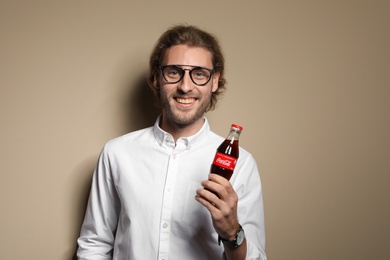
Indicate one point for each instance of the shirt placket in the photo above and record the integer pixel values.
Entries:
(166, 212)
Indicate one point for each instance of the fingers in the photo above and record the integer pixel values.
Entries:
(218, 192)
(223, 212)
(219, 185)
(219, 197)
(204, 198)
(208, 202)
(218, 178)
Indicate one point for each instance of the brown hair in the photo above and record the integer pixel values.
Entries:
(191, 36)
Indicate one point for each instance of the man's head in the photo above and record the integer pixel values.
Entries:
(192, 37)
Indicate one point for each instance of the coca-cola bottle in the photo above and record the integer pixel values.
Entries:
(227, 154)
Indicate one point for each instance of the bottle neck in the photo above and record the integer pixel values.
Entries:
(234, 134)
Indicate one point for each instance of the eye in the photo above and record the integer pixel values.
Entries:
(173, 72)
(200, 73)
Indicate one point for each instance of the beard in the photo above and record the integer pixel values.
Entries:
(183, 117)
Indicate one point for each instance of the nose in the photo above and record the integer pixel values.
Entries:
(186, 84)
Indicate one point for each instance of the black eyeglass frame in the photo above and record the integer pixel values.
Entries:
(162, 68)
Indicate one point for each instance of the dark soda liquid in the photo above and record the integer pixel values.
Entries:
(221, 171)
(230, 148)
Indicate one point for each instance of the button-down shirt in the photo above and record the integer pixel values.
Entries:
(142, 201)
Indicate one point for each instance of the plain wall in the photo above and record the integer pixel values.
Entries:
(308, 80)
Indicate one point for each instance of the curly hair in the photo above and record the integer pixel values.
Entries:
(194, 37)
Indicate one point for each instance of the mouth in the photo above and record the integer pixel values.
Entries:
(185, 101)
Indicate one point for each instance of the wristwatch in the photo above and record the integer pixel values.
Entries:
(236, 242)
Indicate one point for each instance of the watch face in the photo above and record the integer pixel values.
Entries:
(240, 236)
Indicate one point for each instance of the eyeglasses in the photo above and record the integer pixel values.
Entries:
(174, 73)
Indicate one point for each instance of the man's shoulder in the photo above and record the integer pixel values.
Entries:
(214, 136)
(213, 139)
(141, 135)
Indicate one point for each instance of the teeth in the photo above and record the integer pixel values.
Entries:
(185, 100)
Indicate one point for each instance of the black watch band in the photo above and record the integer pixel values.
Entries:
(236, 242)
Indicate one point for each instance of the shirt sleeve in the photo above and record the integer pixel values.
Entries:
(250, 207)
(97, 233)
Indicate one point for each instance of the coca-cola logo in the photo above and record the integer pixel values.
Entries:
(223, 162)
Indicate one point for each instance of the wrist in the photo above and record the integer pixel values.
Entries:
(236, 241)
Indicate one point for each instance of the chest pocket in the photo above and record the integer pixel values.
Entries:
(195, 214)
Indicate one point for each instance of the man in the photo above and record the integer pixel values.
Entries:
(152, 195)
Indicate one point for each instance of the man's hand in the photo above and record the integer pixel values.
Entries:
(219, 197)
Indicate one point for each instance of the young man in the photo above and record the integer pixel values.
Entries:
(148, 199)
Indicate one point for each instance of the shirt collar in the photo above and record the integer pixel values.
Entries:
(164, 137)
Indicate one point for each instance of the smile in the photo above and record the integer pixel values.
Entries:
(185, 100)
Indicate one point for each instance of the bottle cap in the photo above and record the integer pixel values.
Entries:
(237, 126)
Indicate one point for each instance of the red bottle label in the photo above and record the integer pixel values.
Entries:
(225, 161)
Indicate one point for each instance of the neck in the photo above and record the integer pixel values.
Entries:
(181, 130)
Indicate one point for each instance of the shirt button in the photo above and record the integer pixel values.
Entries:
(174, 157)
(165, 225)
(168, 138)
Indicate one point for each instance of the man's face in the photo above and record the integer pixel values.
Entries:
(184, 103)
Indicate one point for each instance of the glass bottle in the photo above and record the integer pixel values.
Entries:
(227, 153)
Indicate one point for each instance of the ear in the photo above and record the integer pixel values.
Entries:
(215, 81)
(155, 81)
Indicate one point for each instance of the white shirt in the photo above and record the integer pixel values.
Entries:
(142, 203)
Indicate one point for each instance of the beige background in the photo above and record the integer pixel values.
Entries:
(309, 81)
